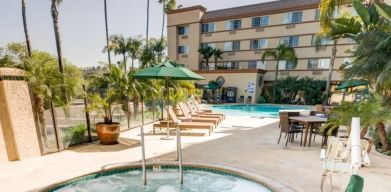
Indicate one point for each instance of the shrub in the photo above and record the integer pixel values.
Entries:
(261, 99)
(74, 135)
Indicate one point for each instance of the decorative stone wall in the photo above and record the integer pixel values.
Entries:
(18, 134)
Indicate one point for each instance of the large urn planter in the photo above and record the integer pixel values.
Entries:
(108, 134)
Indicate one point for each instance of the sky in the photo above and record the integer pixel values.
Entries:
(82, 24)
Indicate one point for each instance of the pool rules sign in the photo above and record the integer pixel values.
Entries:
(250, 88)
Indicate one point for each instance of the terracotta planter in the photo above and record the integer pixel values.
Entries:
(108, 133)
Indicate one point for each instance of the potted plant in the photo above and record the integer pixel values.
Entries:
(108, 131)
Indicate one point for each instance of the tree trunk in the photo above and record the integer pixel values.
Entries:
(54, 10)
(107, 34)
(364, 131)
(274, 83)
(383, 136)
(328, 85)
(39, 110)
(132, 62)
(215, 62)
(164, 10)
(207, 64)
(26, 33)
(147, 30)
(135, 107)
(124, 62)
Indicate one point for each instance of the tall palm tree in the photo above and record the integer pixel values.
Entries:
(26, 34)
(135, 44)
(54, 11)
(168, 5)
(206, 53)
(344, 27)
(120, 46)
(157, 46)
(107, 33)
(280, 53)
(217, 55)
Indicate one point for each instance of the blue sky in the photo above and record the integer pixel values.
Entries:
(82, 23)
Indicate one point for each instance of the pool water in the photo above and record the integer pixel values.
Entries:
(255, 110)
(166, 180)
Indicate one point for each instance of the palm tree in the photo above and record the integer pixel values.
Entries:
(158, 46)
(134, 48)
(206, 53)
(168, 5)
(26, 34)
(48, 84)
(120, 46)
(344, 27)
(54, 11)
(281, 52)
(217, 55)
(107, 33)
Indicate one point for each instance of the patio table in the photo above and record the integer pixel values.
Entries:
(308, 122)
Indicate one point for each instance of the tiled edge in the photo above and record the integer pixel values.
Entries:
(267, 182)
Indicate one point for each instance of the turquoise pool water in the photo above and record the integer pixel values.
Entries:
(255, 110)
(165, 180)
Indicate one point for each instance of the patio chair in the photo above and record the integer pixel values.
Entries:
(289, 129)
(187, 116)
(249, 99)
(203, 111)
(182, 125)
(241, 99)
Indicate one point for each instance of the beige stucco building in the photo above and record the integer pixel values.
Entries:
(243, 33)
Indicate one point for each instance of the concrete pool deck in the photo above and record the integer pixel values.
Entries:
(242, 142)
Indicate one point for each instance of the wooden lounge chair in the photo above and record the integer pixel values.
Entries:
(186, 111)
(182, 125)
(196, 118)
(203, 111)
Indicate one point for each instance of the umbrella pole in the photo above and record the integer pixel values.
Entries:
(167, 105)
(143, 142)
(179, 152)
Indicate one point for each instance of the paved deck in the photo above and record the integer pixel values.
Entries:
(241, 142)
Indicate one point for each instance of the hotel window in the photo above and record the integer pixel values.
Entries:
(232, 46)
(233, 24)
(256, 65)
(204, 45)
(208, 27)
(291, 41)
(258, 43)
(260, 21)
(316, 40)
(284, 65)
(183, 49)
(317, 14)
(183, 30)
(318, 64)
(231, 65)
(292, 17)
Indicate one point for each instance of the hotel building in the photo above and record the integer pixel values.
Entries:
(244, 33)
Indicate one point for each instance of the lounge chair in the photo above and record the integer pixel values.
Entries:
(182, 125)
(187, 116)
(336, 159)
(203, 111)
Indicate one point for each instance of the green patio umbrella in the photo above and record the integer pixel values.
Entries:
(168, 70)
(351, 83)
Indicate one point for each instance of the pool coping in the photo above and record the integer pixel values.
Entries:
(267, 182)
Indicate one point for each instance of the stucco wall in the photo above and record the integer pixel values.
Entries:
(16, 117)
(238, 80)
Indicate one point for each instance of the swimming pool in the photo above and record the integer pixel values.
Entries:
(256, 110)
(164, 178)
